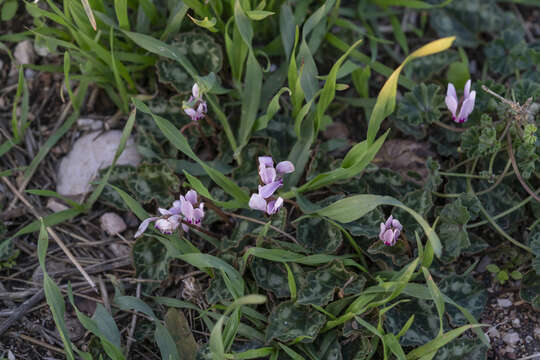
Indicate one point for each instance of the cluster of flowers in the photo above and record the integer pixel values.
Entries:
(272, 179)
(190, 210)
(195, 107)
(186, 208)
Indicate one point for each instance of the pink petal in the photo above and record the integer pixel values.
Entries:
(257, 202)
(198, 215)
(191, 196)
(186, 208)
(274, 206)
(144, 225)
(467, 107)
(266, 161)
(191, 113)
(396, 224)
(388, 222)
(388, 238)
(268, 190)
(467, 89)
(451, 91)
(268, 175)
(195, 90)
(164, 211)
(383, 229)
(285, 167)
(451, 104)
(185, 227)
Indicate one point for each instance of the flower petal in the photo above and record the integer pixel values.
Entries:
(451, 104)
(185, 227)
(191, 113)
(266, 161)
(186, 208)
(451, 91)
(383, 229)
(388, 238)
(268, 190)
(396, 224)
(274, 206)
(268, 175)
(257, 202)
(164, 211)
(285, 167)
(467, 108)
(467, 89)
(191, 196)
(144, 225)
(195, 90)
(388, 222)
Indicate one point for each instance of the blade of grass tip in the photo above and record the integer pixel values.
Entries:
(89, 13)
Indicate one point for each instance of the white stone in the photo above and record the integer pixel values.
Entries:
(89, 124)
(511, 338)
(120, 250)
(516, 323)
(504, 303)
(24, 52)
(89, 154)
(112, 223)
(55, 206)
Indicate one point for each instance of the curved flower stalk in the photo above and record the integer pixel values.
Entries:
(195, 107)
(390, 231)
(272, 179)
(467, 102)
(184, 209)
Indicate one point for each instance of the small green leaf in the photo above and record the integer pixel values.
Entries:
(9, 9)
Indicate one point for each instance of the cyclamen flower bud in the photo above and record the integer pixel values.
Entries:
(196, 106)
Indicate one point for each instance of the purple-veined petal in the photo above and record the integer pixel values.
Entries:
(268, 190)
(266, 161)
(451, 104)
(185, 227)
(467, 89)
(257, 202)
(268, 175)
(144, 225)
(166, 226)
(191, 196)
(285, 167)
(467, 107)
(388, 222)
(201, 110)
(195, 91)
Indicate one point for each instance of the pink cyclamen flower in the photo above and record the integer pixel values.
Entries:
(272, 179)
(170, 219)
(191, 213)
(390, 231)
(195, 107)
(467, 103)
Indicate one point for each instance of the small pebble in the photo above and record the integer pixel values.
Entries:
(120, 250)
(112, 223)
(516, 323)
(529, 339)
(55, 206)
(511, 338)
(537, 333)
(493, 332)
(24, 52)
(504, 303)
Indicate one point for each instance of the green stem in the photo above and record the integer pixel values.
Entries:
(489, 218)
(471, 176)
(503, 214)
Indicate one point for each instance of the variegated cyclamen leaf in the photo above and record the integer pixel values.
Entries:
(290, 322)
(272, 276)
(530, 289)
(319, 236)
(321, 284)
(463, 349)
(468, 293)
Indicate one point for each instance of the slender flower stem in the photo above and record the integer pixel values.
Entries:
(290, 237)
(449, 127)
(464, 175)
(201, 229)
(516, 169)
(216, 209)
(464, 162)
